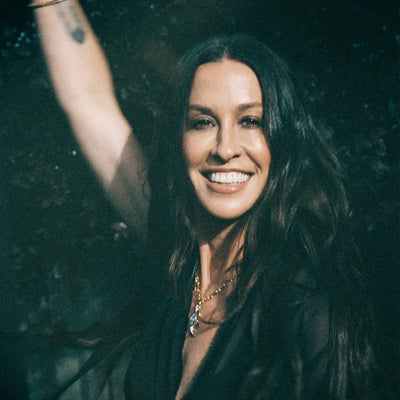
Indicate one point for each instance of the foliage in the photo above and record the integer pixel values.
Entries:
(68, 245)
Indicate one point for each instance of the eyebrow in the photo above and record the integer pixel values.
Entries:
(246, 106)
(197, 107)
(207, 110)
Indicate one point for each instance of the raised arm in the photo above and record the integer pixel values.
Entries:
(83, 85)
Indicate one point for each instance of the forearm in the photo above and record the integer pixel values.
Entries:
(83, 85)
(76, 62)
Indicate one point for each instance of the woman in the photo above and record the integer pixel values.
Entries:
(247, 212)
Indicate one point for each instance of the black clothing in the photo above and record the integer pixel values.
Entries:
(156, 368)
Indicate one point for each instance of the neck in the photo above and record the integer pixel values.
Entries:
(220, 247)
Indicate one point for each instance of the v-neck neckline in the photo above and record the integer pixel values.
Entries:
(214, 342)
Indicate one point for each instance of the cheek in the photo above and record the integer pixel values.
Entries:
(187, 150)
(259, 150)
(265, 152)
(193, 151)
(267, 159)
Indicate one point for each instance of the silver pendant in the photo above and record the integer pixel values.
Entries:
(194, 321)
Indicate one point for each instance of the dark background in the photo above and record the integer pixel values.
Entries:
(66, 256)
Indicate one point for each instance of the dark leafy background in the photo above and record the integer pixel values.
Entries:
(71, 259)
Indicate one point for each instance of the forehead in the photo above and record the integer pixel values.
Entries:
(225, 82)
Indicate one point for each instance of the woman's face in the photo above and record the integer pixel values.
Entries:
(224, 146)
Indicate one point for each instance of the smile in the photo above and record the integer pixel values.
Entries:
(232, 178)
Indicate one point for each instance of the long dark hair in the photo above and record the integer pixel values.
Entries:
(305, 178)
(299, 223)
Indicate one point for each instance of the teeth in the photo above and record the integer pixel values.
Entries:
(230, 177)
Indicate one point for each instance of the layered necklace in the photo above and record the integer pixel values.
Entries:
(195, 316)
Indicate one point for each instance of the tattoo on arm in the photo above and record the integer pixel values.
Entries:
(72, 22)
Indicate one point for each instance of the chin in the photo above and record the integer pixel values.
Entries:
(226, 214)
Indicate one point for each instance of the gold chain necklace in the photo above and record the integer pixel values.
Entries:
(194, 318)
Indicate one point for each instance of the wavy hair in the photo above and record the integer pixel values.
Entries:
(300, 221)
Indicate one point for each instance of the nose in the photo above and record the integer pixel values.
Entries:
(227, 144)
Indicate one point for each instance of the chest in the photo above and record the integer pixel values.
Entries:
(202, 329)
(194, 352)
(170, 364)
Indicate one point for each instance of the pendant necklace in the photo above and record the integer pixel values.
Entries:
(194, 318)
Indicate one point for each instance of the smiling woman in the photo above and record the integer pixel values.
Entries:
(224, 144)
(247, 218)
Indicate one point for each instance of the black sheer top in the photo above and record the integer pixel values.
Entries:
(156, 367)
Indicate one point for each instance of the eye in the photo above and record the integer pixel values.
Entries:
(200, 123)
(251, 122)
